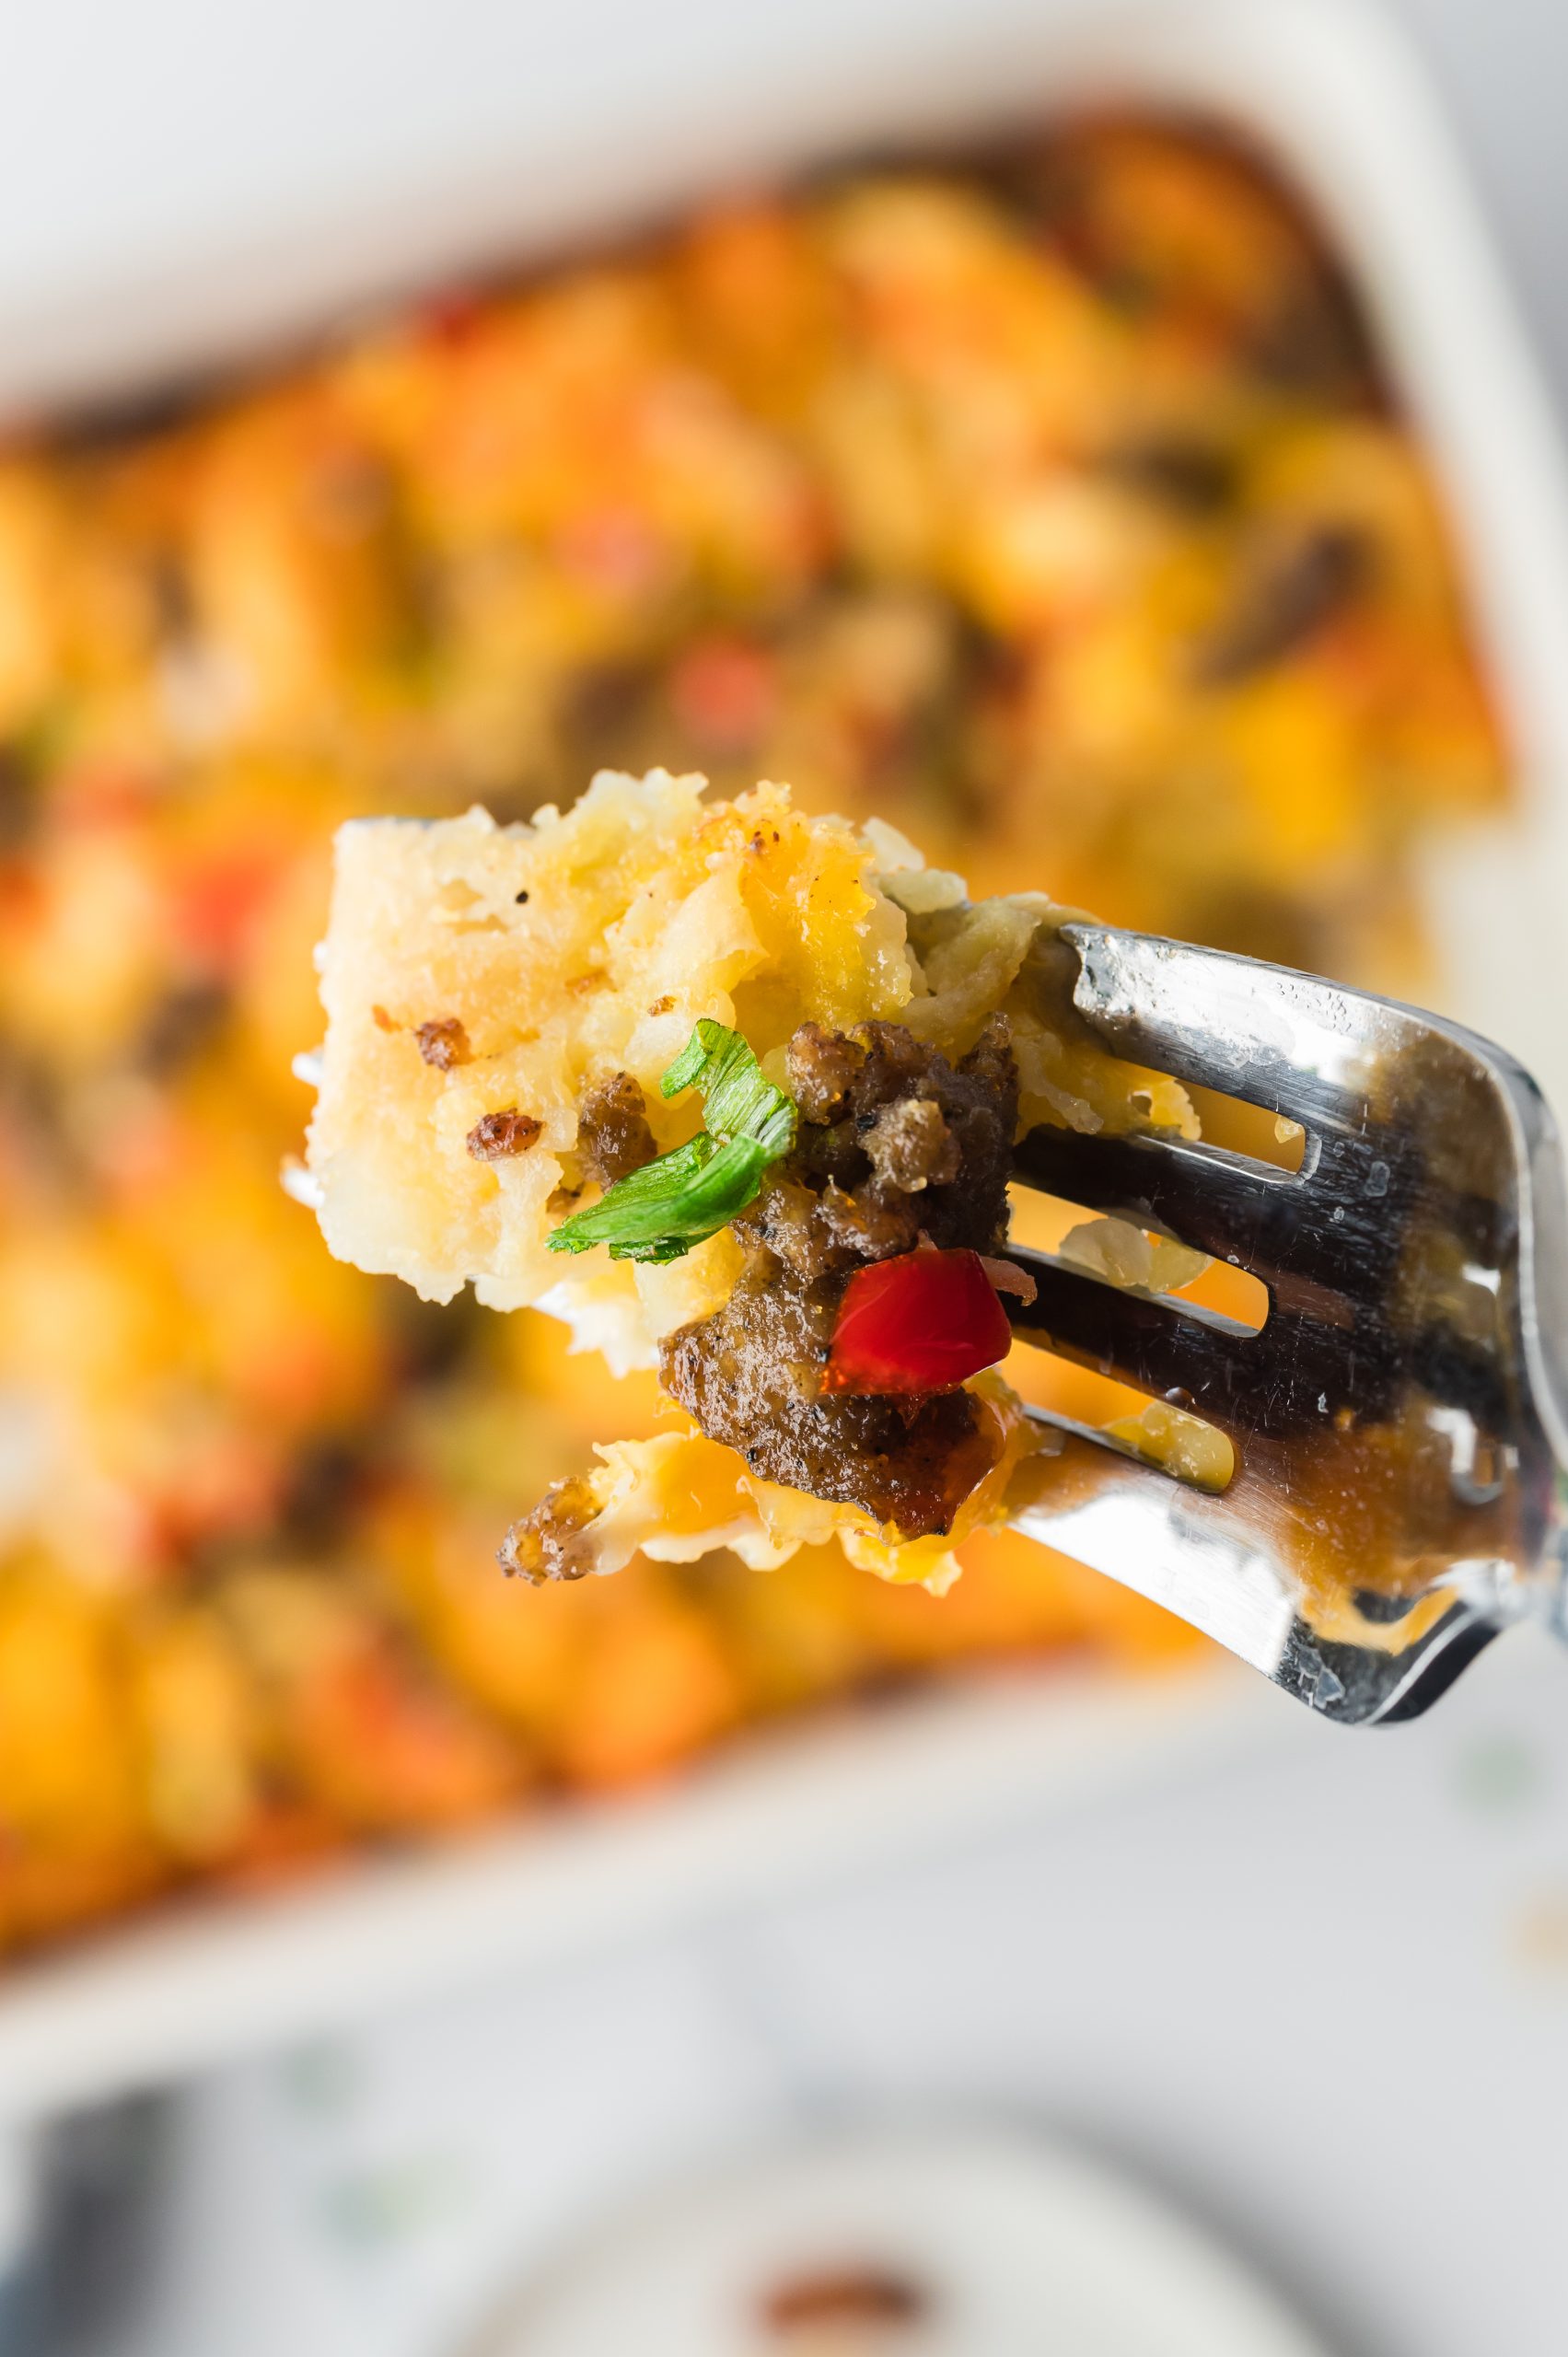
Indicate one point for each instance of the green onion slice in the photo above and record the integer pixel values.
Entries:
(689, 1193)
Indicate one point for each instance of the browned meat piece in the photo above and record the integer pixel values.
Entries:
(443, 1042)
(821, 1065)
(990, 1062)
(891, 1062)
(910, 1145)
(613, 1136)
(903, 1144)
(784, 1219)
(874, 1224)
(978, 1103)
(496, 1136)
(543, 1545)
(751, 1375)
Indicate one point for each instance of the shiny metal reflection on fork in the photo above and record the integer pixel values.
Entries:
(1400, 1419)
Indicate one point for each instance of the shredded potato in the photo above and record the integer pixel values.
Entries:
(589, 943)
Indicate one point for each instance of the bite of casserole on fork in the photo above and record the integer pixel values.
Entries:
(735, 1092)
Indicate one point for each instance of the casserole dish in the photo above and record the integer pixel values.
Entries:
(1328, 95)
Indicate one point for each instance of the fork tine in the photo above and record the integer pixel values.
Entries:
(1195, 1556)
(1302, 1232)
(1221, 1202)
(1395, 1417)
(1279, 1038)
(1215, 1562)
(1293, 1374)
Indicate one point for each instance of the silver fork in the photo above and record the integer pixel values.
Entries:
(1400, 1421)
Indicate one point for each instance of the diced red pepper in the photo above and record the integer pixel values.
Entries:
(924, 1322)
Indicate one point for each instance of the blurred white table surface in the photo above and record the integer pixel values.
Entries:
(1319, 1994)
(1323, 2001)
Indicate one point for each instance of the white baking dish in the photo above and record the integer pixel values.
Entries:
(189, 1987)
(620, 110)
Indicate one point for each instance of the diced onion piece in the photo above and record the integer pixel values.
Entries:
(1007, 1277)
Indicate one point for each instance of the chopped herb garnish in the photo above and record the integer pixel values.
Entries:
(686, 1195)
(739, 1100)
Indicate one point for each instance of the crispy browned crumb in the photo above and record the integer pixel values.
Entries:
(613, 1136)
(443, 1041)
(496, 1136)
(894, 1144)
(544, 1544)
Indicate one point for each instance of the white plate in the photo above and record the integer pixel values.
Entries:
(1022, 2248)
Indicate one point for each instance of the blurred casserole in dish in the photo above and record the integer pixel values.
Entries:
(1050, 506)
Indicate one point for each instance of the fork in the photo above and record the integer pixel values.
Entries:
(1400, 1419)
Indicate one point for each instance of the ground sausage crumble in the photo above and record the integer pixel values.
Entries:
(495, 1137)
(613, 1136)
(894, 1145)
(544, 1545)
